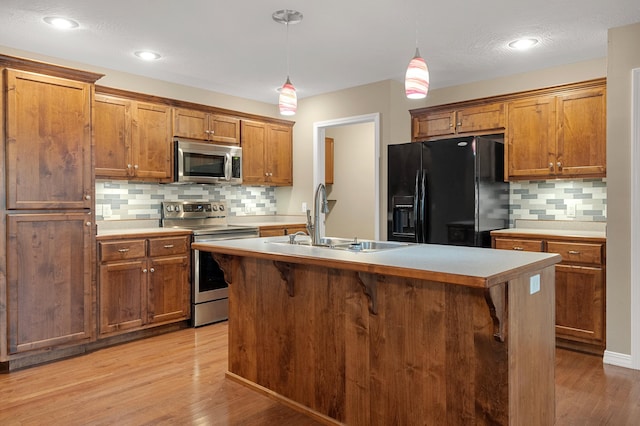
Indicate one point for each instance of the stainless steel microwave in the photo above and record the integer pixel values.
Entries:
(198, 162)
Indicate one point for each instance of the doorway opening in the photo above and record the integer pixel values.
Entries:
(319, 134)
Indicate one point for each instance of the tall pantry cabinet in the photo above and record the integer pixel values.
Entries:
(46, 282)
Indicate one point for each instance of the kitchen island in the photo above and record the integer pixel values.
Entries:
(417, 334)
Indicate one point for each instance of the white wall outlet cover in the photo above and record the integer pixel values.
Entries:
(304, 207)
(571, 209)
(534, 284)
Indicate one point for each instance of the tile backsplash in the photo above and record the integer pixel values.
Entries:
(123, 200)
(555, 200)
(533, 200)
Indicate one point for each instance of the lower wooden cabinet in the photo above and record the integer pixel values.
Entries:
(580, 286)
(49, 287)
(143, 282)
(279, 230)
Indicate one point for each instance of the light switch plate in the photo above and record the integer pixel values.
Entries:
(534, 284)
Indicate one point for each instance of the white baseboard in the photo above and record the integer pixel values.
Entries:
(618, 359)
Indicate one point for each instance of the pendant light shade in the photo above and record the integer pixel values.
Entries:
(288, 101)
(416, 81)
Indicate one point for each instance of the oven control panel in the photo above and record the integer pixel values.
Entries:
(193, 209)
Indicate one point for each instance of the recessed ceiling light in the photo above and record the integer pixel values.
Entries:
(59, 22)
(147, 55)
(523, 43)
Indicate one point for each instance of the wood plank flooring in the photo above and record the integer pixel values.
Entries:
(178, 379)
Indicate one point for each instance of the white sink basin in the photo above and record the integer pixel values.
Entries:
(348, 244)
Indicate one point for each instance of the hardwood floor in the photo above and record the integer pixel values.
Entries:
(178, 379)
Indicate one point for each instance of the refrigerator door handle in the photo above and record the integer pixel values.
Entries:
(416, 209)
(424, 234)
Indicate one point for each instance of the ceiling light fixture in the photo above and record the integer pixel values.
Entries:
(62, 23)
(288, 100)
(147, 55)
(523, 43)
(416, 80)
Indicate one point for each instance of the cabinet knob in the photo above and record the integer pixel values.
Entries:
(559, 163)
(574, 252)
(144, 270)
(207, 131)
(152, 270)
(135, 167)
(168, 246)
(87, 197)
(550, 166)
(129, 166)
(88, 223)
(123, 250)
(518, 248)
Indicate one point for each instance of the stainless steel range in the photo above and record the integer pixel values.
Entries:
(208, 222)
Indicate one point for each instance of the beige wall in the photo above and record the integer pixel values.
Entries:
(136, 83)
(353, 192)
(623, 56)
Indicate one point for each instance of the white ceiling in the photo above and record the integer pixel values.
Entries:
(234, 47)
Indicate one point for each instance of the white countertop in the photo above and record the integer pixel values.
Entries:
(271, 220)
(477, 267)
(559, 228)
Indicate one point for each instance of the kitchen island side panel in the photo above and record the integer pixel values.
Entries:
(367, 349)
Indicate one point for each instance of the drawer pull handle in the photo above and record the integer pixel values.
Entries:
(123, 250)
(168, 246)
(518, 248)
(574, 252)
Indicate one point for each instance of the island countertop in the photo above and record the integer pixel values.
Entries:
(468, 266)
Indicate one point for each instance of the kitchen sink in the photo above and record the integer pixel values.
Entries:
(348, 244)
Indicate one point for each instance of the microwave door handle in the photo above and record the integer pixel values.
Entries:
(227, 166)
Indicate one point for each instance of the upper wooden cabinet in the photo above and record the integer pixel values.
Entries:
(48, 142)
(550, 133)
(441, 122)
(267, 153)
(329, 145)
(206, 126)
(561, 135)
(132, 139)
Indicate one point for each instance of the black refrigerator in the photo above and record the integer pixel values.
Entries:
(450, 191)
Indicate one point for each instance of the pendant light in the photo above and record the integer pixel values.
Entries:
(416, 80)
(288, 100)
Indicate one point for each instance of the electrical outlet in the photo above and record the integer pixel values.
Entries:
(571, 209)
(534, 284)
(106, 211)
(99, 210)
(304, 207)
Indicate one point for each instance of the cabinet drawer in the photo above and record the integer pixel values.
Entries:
(119, 250)
(520, 245)
(577, 252)
(168, 246)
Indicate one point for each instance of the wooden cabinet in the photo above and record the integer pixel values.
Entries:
(328, 160)
(133, 139)
(580, 287)
(563, 135)
(279, 230)
(143, 282)
(206, 126)
(438, 122)
(49, 286)
(48, 142)
(47, 292)
(267, 153)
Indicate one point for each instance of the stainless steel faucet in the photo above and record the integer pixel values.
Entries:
(314, 228)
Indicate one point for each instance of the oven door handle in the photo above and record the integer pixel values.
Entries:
(211, 240)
